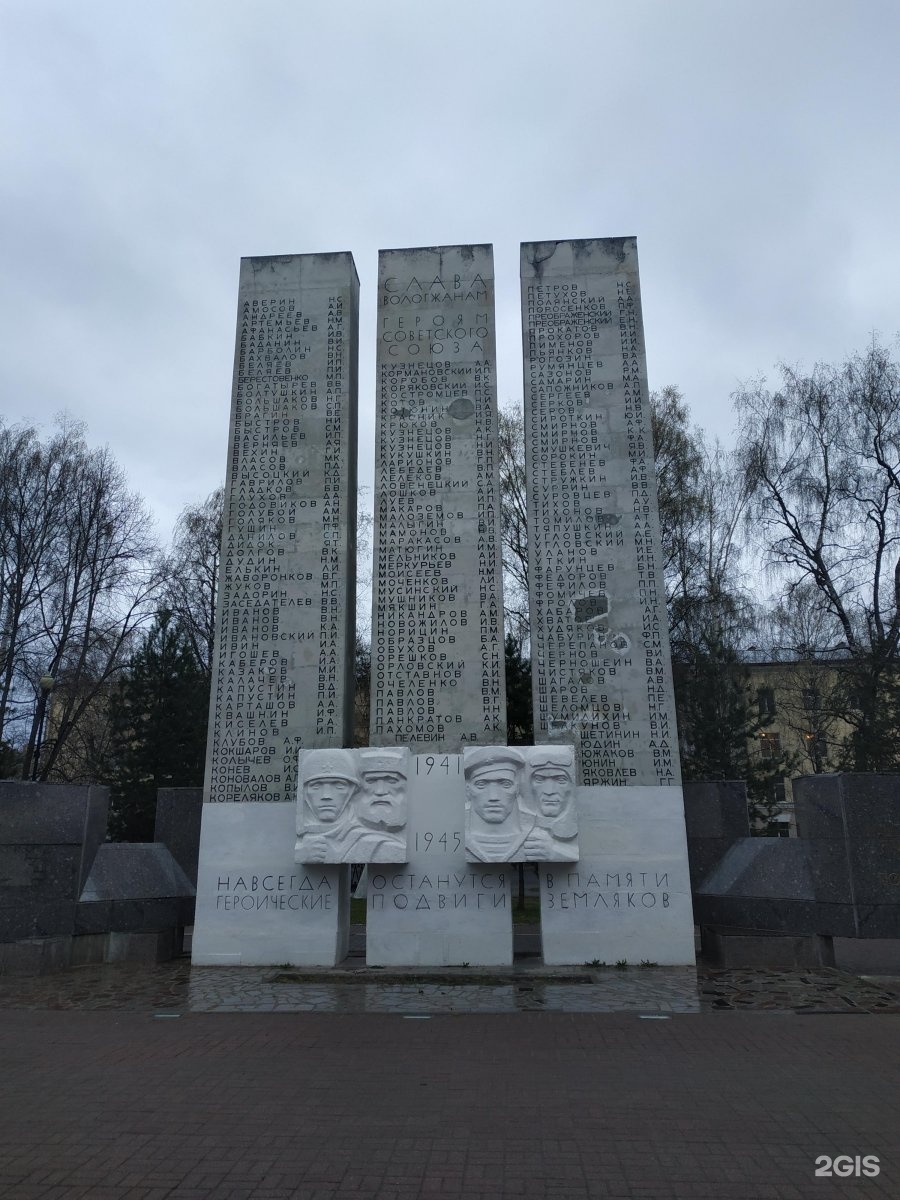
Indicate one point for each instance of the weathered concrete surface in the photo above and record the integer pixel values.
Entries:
(283, 673)
(437, 620)
(601, 668)
(255, 905)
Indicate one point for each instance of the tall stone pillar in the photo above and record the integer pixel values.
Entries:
(602, 674)
(285, 629)
(437, 626)
(283, 673)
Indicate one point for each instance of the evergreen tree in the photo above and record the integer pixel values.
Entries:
(159, 720)
(519, 713)
(718, 720)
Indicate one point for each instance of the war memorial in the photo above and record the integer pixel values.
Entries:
(438, 806)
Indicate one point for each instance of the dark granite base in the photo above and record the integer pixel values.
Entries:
(724, 947)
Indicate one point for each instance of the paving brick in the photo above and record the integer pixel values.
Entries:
(552, 1106)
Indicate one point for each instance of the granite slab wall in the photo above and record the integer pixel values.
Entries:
(49, 836)
(716, 816)
(135, 887)
(851, 823)
(768, 884)
(178, 814)
(839, 878)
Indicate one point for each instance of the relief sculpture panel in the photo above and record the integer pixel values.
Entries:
(352, 806)
(520, 804)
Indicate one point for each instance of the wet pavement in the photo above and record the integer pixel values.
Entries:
(115, 1105)
(167, 1082)
(176, 987)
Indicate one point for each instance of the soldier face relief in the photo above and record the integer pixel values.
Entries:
(328, 797)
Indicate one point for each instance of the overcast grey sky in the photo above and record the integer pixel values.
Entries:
(752, 148)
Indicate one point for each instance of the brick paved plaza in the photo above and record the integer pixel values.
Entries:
(115, 1104)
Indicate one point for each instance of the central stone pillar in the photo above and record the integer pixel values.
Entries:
(437, 625)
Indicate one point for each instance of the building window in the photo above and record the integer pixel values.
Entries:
(780, 822)
(770, 745)
(810, 699)
(766, 700)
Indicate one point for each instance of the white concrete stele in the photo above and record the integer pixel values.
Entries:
(629, 895)
(255, 905)
(602, 676)
(438, 909)
(284, 645)
(437, 611)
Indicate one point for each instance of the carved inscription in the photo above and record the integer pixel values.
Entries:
(600, 654)
(442, 891)
(437, 645)
(249, 892)
(284, 639)
(605, 891)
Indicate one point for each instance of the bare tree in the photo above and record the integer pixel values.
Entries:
(679, 456)
(514, 520)
(76, 578)
(822, 456)
(702, 498)
(34, 484)
(192, 574)
(102, 584)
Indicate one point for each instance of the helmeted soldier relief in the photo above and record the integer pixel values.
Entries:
(326, 823)
(496, 826)
(351, 807)
(550, 778)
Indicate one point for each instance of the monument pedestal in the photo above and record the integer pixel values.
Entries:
(255, 905)
(437, 909)
(629, 895)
